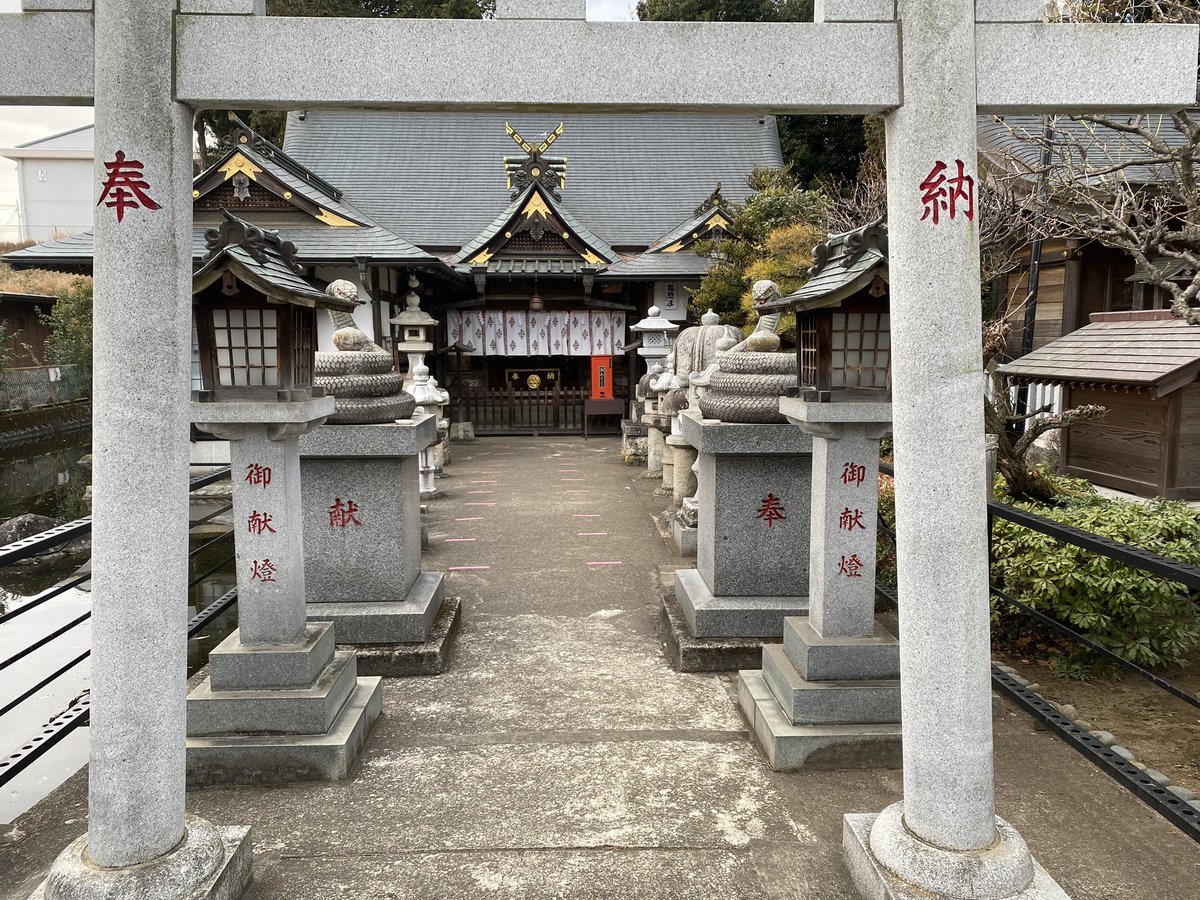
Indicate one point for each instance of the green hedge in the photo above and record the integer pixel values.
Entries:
(1142, 617)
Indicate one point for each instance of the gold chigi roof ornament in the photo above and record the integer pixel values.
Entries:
(535, 168)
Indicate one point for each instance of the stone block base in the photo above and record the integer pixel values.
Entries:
(234, 666)
(158, 878)
(427, 658)
(708, 616)
(308, 710)
(406, 621)
(789, 746)
(462, 431)
(692, 654)
(683, 538)
(819, 658)
(874, 882)
(269, 758)
(850, 702)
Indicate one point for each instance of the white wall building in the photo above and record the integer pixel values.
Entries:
(54, 183)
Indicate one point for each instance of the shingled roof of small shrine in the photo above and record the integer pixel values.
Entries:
(438, 177)
(1144, 349)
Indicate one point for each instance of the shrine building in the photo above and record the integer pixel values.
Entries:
(535, 241)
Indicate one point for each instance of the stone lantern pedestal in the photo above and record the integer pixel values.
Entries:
(829, 696)
(362, 533)
(280, 704)
(752, 543)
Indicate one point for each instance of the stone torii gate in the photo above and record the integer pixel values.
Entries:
(930, 65)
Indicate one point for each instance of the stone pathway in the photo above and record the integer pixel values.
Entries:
(560, 756)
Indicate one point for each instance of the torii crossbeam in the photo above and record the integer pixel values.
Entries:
(930, 65)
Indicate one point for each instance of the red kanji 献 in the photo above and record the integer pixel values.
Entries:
(259, 522)
(853, 473)
(125, 186)
(771, 510)
(258, 475)
(851, 566)
(851, 519)
(952, 195)
(263, 570)
(342, 514)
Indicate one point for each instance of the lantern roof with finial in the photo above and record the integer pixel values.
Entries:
(842, 266)
(654, 322)
(263, 261)
(413, 316)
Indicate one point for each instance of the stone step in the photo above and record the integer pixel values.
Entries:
(267, 758)
(708, 616)
(300, 711)
(819, 658)
(233, 666)
(406, 621)
(828, 702)
(787, 746)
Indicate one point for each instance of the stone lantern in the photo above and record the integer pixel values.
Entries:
(415, 325)
(255, 318)
(254, 312)
(844, 403)
(656, 334)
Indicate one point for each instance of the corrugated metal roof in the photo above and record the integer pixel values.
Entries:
(438, 177)
(315, 244)
(1104, 147)
(1160, 353)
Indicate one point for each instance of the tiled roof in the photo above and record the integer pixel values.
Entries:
(660, 266)
(1152, 350)
(513, 210)
(438, 177)
(314, 244)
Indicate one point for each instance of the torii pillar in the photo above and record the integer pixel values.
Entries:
(139, 843)
(944, 838)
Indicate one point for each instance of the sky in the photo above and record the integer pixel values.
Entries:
(20, 124)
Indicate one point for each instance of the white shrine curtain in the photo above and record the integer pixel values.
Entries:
(524, 333)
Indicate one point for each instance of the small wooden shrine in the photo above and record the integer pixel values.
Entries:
(1144, 367)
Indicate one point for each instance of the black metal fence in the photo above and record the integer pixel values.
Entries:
(77, 713)
(1167, 804)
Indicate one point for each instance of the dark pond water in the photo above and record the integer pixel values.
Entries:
(50, 479)
(47, 478)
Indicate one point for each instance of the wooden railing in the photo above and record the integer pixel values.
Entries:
(508, 410)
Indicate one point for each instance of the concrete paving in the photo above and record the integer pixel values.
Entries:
(560, 756)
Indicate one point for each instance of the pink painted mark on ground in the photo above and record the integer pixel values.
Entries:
(470, 519)
(576, 492)
(566, 471)
(607, 562)
(479, 504)
(459, 540)
(589, 534)
(572, 479)
(467, 568)
(484, 482)
(481, 492)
